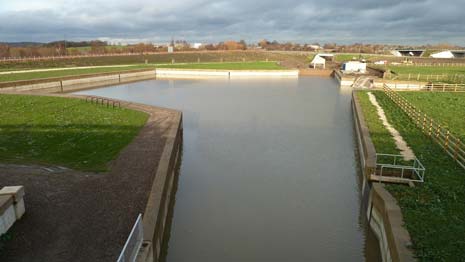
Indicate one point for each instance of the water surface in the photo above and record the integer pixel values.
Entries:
(268, 171)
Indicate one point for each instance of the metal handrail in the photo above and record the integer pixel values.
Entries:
(133, 243)
(416, 167)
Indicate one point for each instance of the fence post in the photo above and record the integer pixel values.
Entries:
(430, 127)
(424, 122)
(457, 147)
(447, 139)
(438, 130)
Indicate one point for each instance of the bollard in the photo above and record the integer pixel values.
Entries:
(17, 193)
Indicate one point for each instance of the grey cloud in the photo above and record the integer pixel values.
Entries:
(402, 21)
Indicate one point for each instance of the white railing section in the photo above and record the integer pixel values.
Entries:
(394, 166)
(134, 242)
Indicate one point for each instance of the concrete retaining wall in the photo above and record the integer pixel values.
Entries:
(400, 85)
(71, 84)
(344, 80)
(383, 212)
(386, 221)
(156, 215)
(202, 73)
(78, 83)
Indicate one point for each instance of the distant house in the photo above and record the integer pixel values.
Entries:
(196, 45)
(449, 54)
(319, 61)
(354, 67)
(408, 52)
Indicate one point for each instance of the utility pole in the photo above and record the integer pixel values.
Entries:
(64, 40)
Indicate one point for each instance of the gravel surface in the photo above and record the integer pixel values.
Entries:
(78, 216)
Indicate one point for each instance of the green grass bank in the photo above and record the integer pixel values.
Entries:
(68, 72)
(63, 131)
(434, 212)
(161, 58)
(428, 70)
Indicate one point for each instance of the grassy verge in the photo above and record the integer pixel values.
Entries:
(447, 108)
(350, 57)
(428, 70)
(67, 72)
(434, 212)
(228, 66)
(61, 131)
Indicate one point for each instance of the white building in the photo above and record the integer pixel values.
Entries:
(354, 66)
(408, 52)
(196, 45)
(319, 61)
(449, 54)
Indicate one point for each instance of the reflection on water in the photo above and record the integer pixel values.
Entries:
(269, 171)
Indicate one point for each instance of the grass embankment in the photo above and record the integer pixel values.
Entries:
(434, 212)
(428, 70)
(66, 132)
(161, 58)
(67, 72)
(83, 71)
(228, 66)
(350, 57)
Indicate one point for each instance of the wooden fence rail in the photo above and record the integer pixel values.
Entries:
(451, 78)
(451, 144)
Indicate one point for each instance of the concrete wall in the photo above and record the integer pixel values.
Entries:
(386, 221)
(71, 84)
(384, 214)
(202, 73)
(344, 80)
(78, 83)
(156, 215)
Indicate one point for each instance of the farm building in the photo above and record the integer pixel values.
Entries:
(319, 61)
(449, 54)
(353, 67)
(408, 52)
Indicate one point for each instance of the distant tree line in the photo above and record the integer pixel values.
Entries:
(61, 48)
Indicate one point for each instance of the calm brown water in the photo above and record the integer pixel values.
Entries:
(269, 171)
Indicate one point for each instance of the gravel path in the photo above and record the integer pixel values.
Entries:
(77, 216)
(405, 150)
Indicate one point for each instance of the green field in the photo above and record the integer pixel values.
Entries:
(89, 48)
(67, 72)
(65, 132)
(446, 108)
(228, 66)
(428, 70)
(161, 58)
(434, 212)
(350, 57)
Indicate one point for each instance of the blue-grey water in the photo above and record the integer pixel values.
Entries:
(269, 171)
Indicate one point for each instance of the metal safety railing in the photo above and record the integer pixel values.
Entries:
(134, 242)
(451, 144)
(398, 169)
(103, 101)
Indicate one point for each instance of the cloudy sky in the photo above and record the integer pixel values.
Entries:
(342, 21)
